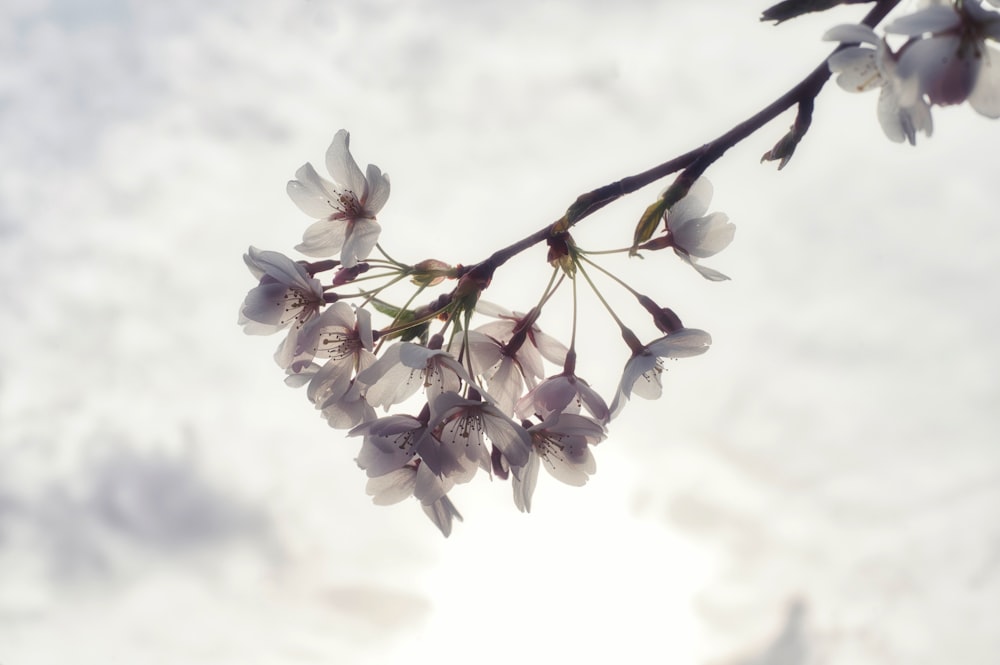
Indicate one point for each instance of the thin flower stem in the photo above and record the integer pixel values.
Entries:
(600, 297)
(572, 336)
(373, 293)
(388, 258)
(613, 276)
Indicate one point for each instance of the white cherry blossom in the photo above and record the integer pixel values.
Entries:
(459, 431)
(286, 297)
(642, 371)
(346, 209)
(695, 235)
(405, 367)
(562, 393)
(902, 111)
(339, 334)
(414, 479)
(562, 444)
(949, 57)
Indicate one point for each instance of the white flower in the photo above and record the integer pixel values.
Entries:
(405, 367)
(695, 235)
(442, 512)
(343, 410)
(340, 335)
(415, 479)
(389, 444)
(345, 208)
(953, 64)
(508, 353)
(902, 111)
(286, 297)
(643, 370)
(458, 431)
(562, 443)
(562, 393)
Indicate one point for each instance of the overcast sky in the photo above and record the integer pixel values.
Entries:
(822, 486)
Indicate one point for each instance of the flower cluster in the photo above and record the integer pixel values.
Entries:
(945, 58)
(443, 391)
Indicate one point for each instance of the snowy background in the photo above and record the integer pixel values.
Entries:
(822, 487)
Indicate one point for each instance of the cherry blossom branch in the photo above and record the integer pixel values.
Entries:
(694, 162)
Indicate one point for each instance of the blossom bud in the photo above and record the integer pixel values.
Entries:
(430, 272)
(347, 275)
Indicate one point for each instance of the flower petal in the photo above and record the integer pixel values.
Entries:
(341, 165)
(694, 204)
(851, 32)
(985, 97)
(314, 195)
(937, 18)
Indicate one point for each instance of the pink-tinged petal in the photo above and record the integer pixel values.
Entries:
(447, 458)
(594, 403)
(389, 381)
(551, 348)
(709, 273)
(330, 383)
(323, 238)
(505, 385)
(856, 68)
(492, 309)
(524, 483)
(279, 267)
(705, 236)
(937, 18)
(985, 97)
(574, 424)
(694, 204)
(484, 351)
(393, 487)
(389, 443)
(430, 487)
(851, 33)
(648, 385)
(902, 123)
(571, 462)
(285, 353)
(442, 512)
(264, 306)
(349, 411)
(378, 190)
(362, 236)
(512, 439)
(684, 343)
(300, 378)
(341, 165)
(314, 203)
(944, 76)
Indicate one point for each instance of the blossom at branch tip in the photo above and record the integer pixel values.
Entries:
(948, 55)
(695, 235)
(902, 110)
(346, 208)
(286, 297)
(562, 443)
(642, 371)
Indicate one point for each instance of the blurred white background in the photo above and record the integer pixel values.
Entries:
(822, 487)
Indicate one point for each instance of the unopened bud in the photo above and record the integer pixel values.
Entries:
(430, 272)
